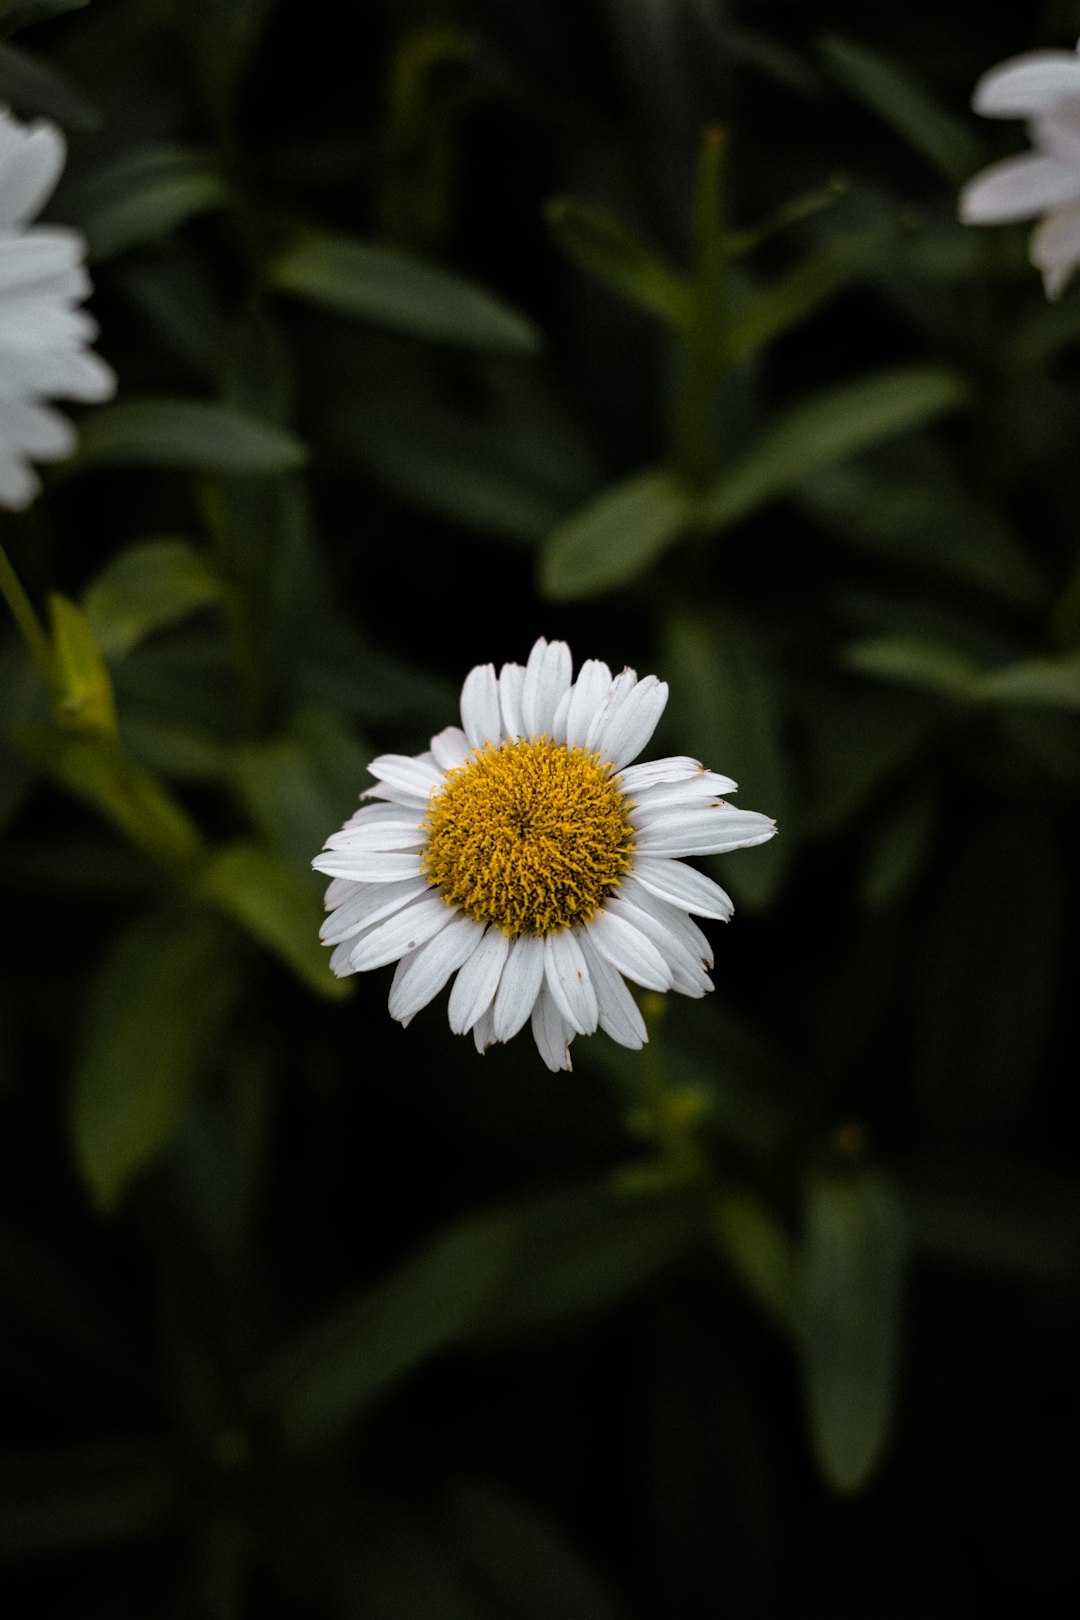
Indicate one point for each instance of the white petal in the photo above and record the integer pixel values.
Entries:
(480, 714)
(421, 975)
(519, 986)
(369, 865)
(52, 372)
(558, 725)
(404, 931)
(551, 1032)
(1058, 133)
(702, 785)
(36, 430)
(451, 749)
(511, 681)
(476, 984)
(369, 904)
(620, 1015)
(340, 965)
(674, 919)
(630, 726)
(484, 1031)
(687, 973)
(382, 795)
(547, 677)
(373, 815)
(18, 483)
(31, 159)
(1027, 85)
(710, 831)
(628, 950)
(567, 978)
(338, 890)
(683, 886)
(409, 775)
(674, 769)
(1055, 249)
(586, 697)
(400, 834)
(618, 692)
(1018, 188)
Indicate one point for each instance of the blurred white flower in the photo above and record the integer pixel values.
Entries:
(43, 336)
(528, 855)
(1044, 88)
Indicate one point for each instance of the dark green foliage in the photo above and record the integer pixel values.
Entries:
(440, 325)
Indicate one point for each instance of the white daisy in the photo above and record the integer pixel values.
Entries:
(526, 854)
(43, 336)
(1044, 88)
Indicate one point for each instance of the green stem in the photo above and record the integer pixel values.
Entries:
(29, 624)
(694, 428)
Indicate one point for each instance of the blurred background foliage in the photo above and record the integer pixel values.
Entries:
(442, 324)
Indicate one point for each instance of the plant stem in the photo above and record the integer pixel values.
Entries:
(694, 431)
(30, 626)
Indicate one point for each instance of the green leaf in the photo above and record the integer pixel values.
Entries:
(579, 1252)
(178, 306)
(17, 14)
(95, 769)
(88, 1496)
(501, 1276)
(860, 739)
(525, 1559)
(944, 140)
(300, 787)
(369, 1342)
(156, 1020)
(923, 664)
(908, 505)
(32, 87)
(791, 299)
(143, 195)
(615, 538)
(760, 1253)
(1042, 682)
(898, 848)
(827, 428)
(393, 289)
(85, 701)
(602, 244)
(725, 701)
(145, 588)
(278, 905)
(183, 433)
(852, 1284)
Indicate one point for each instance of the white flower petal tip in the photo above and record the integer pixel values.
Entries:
(1044, 88)
(43, 334)
(1026, 86)
(527, 863)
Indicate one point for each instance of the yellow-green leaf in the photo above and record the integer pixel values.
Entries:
(278, 905)
(84, 701)
(145, 588)
(603, 245)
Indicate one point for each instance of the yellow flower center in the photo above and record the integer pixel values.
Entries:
(531, 836)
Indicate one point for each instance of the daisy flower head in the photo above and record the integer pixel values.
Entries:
(44, 337)
(528, 855)
(1044, 88)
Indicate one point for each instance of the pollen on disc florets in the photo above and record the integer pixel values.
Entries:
(529, 835)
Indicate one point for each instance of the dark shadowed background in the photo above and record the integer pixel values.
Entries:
(441, 325)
